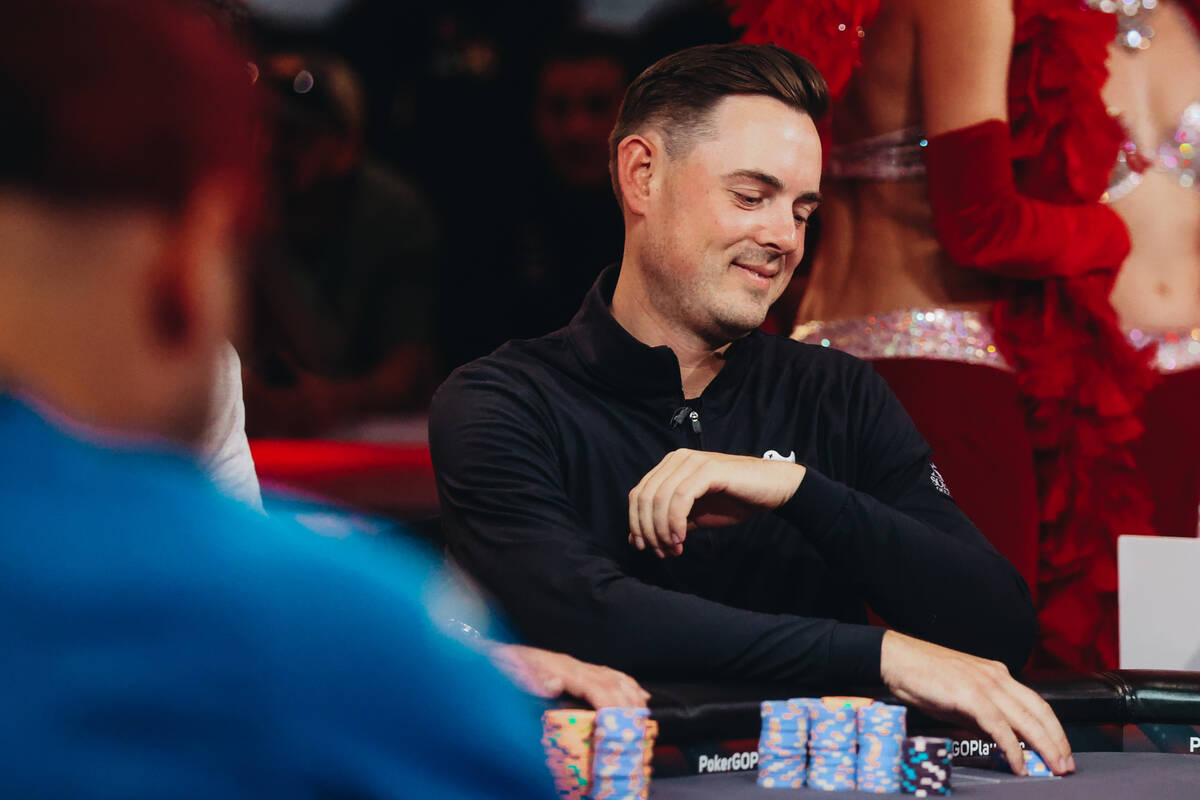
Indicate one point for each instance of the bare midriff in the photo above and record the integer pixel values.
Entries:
(1158, 288)
(877, 251)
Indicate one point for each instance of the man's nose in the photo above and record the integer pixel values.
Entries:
(780, 231)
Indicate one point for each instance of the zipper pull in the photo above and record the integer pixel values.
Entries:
(679, 416)
(694, 416)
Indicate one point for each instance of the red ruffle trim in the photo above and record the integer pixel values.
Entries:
(829, 33)
(1085, 384)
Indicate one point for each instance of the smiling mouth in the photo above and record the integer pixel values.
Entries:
(763, 273)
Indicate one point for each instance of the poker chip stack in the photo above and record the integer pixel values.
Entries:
(783, 744)
(567, 742)
(833, 743)
(881, 730)
(648, 755)
(925, 766)
(1033, 763)
(620, 769)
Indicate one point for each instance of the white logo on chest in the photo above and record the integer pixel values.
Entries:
(773, 455)
(939, 482)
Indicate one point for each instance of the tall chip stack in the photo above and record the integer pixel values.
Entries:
(833, 742)
(925, 766)
(881, 732)
(648, 756)
(783, 744)
(567, 742)
(619, 770)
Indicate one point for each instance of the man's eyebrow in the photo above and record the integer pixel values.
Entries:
(756, 175)
(773, 182)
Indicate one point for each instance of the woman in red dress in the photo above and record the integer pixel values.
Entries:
(1154, 88)
(965, 251)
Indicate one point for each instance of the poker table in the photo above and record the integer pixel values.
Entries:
(1147, 776)
(1135, 734)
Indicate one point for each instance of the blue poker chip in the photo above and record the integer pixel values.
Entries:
(1034, 763)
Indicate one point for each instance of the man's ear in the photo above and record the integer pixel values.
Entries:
(639, 159)
(192, 291)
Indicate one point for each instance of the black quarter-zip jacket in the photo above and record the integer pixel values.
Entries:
(537, 446)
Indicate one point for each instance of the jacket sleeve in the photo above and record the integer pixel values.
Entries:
(509, 522)
(897, 533)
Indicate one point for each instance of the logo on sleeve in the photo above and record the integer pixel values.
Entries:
(939, 482)
(773, 455)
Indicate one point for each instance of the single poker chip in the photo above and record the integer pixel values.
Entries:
(854, 702)
(1034, 764)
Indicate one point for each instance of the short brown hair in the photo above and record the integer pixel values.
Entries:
(677, 94)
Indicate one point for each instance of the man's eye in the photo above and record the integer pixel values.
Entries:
(746, 199)
(801, 221)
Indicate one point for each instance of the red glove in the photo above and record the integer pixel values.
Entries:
(981, 220)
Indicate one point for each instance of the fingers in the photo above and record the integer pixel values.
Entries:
(673, 502)
(549, 674)
(953, 685)
(649, 502)
(641, 528)
(1034, 720)
(604, 687)
(991, 720)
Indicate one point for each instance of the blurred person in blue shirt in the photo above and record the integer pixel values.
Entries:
(161, 640)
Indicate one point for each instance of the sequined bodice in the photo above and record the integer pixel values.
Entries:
(1177, 156)
(1176, 350)
(936, 333)
(897, 155)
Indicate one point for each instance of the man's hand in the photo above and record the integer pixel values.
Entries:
(693, 489)
(548, 674)
(962, 688)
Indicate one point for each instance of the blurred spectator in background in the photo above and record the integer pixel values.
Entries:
(556, 223)
(344, 299)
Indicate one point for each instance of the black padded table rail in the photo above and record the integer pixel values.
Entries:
(712, 728)
(698, 711)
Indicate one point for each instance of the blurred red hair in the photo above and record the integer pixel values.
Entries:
(123, 102)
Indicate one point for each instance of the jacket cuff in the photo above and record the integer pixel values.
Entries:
(815, 505)
(854, 654)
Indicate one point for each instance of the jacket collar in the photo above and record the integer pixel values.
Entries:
(634, 369)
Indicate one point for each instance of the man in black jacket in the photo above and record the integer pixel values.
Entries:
(662, 488)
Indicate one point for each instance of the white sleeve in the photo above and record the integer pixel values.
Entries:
(224, 449)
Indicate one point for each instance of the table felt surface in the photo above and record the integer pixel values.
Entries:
(1098, 776)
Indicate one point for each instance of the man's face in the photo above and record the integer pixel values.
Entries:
(725, 220)
(577, 104)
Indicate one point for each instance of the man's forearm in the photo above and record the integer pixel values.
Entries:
(942, 584)
(646, 630)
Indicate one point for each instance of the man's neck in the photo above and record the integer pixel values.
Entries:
(699, 361)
